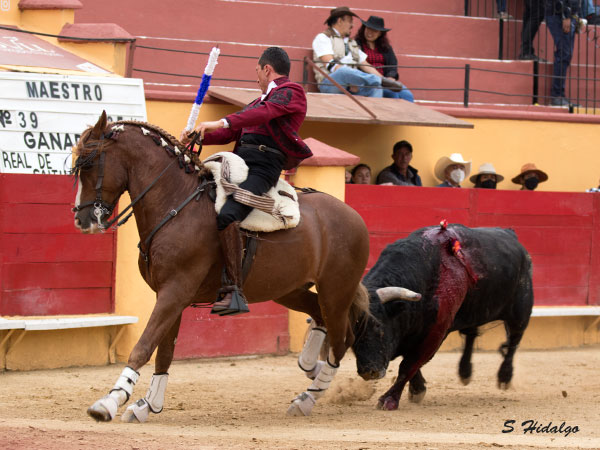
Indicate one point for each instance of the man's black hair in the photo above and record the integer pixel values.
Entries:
(402, 144)
(333, 20)
(277, 58)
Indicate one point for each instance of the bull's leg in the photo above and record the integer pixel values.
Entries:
(465, 368)
(155, 397)
(416, 388)
(514, 333)
(165, 313)
(335, 306)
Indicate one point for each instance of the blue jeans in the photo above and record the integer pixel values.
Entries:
(501, 4)
(563, 52)
(404, 94)
(369, 85)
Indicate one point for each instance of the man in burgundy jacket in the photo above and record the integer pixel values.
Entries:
(266, 136)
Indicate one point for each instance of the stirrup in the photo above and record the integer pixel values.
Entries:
(237, 305)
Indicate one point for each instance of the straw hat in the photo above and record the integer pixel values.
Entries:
(486, 168)
(339, 12)
(445, 161)
(527, 168)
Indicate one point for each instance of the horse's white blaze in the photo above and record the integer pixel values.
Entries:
(78, 197)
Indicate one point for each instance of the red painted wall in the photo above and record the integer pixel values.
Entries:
(46, 266)
(561, 231)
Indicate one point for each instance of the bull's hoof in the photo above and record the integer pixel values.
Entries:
(302, 405)
(417, 397)
(387, 404)
(504, 385)
(465, 381)
(104, 410)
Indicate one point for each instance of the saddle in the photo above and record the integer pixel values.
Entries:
(277, 209)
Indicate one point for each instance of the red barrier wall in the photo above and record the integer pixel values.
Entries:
(560, 230)
(47, 267)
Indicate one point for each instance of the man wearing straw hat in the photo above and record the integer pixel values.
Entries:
(530, 177)
(486, 178)
(452, 170)
(338, 55)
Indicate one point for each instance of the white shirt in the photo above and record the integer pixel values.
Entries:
(322, 46)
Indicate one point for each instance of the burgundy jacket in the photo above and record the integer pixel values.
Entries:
(279, 116)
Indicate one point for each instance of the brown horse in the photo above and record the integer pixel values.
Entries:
(183, 264)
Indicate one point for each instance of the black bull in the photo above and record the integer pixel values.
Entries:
(467, 278)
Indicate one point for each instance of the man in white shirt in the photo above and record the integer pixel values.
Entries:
(339, 56)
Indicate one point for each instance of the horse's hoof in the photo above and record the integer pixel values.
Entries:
(504, 385)
(129, 417)
(387, 404)
(103, 410)
(301, 405)
(465, 381)
(416, 398)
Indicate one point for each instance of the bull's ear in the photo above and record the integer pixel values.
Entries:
(100, 126)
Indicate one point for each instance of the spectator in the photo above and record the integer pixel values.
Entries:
(530, 177)
(561, 23)
(588, 10)
(594, 189)
(533, 16)
(452, 170)
(501, 8)
(486, 178)
(348, 177)
(361, 174)
(400, 173)
(345, 62)
(372, 39)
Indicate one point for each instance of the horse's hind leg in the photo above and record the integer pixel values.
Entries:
(155, 397)
(335, 314)
(465, 368)
(166, 312)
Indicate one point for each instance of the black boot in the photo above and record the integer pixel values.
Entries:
(231, 299)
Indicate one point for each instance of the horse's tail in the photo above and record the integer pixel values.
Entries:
(359, 310)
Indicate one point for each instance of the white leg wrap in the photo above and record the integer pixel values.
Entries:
(302, 405)
(126, 382)
(313, 373)
(322, 381)
(153, 401)
(310, 353)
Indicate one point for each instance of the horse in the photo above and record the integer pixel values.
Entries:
(180, 255)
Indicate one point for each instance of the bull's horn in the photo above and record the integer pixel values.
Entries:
(387, 294)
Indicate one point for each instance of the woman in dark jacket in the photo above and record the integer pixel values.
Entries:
(372, 39)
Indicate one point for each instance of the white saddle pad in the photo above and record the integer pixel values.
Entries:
(285, 213)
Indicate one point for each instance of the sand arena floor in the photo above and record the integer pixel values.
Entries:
(241, 403)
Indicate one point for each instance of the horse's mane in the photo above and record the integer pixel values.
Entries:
(88, 150)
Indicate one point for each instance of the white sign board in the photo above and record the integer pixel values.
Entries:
(42, 116)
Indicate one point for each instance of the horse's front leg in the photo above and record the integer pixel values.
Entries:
(155, 396)
(166, 312)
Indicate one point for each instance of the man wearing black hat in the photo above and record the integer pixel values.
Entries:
(344, 61)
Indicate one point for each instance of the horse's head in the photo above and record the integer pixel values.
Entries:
(101, 181)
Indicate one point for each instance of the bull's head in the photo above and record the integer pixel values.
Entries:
(376, 340)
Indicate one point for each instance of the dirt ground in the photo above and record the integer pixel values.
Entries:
(241, 403)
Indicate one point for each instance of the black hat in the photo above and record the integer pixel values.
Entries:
(339, 12)
(376, 23)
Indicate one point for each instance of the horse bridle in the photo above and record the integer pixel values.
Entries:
(101, 208)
